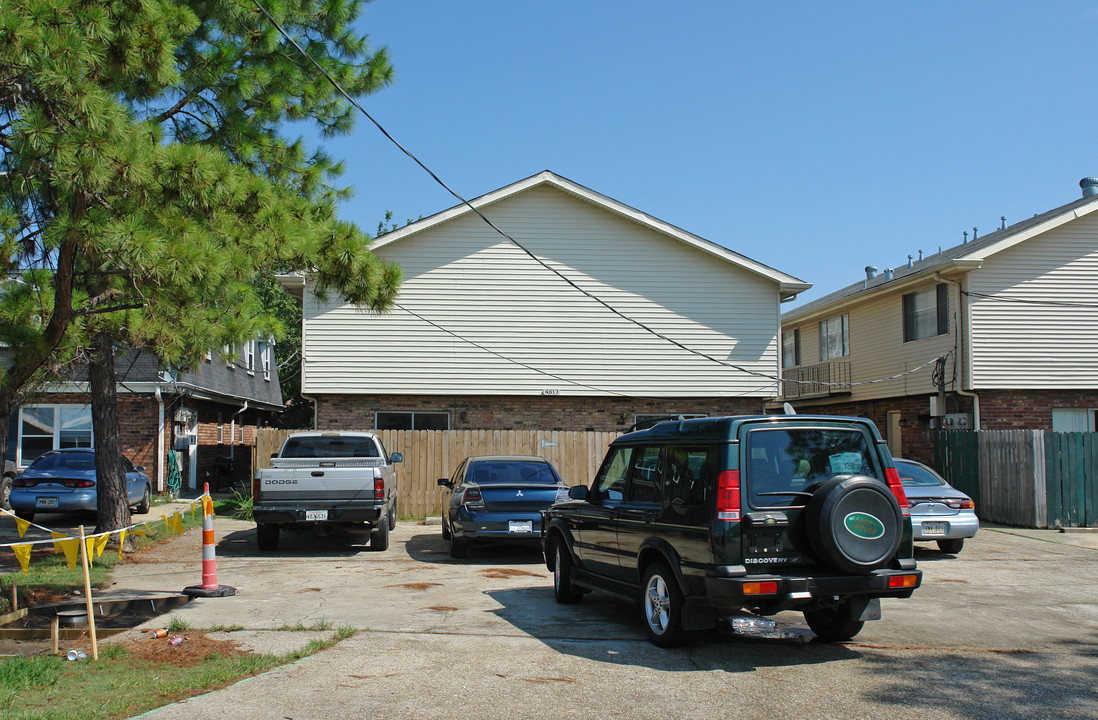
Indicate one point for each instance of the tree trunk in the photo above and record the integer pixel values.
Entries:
(5, 478)
(114, 511)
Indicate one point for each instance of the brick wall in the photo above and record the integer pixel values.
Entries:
(552, 412)
(1029, 409)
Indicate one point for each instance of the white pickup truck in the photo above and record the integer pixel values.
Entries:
(327, 482)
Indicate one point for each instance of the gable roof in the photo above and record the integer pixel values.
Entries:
(966, 256)
(788, 285)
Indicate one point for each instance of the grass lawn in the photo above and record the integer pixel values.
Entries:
(128, 679)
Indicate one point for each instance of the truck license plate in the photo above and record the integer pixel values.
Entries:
(934, 528)
(46, 502)
(316, 515)
(519, 527)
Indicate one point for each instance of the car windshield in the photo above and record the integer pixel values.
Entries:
(497, 472)
(330, 447)
(912, 475)
(64, 461)
(782, 463)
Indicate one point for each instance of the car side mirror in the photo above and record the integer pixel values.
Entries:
(140, 468)
(396, 457)
(445, 482)
(578, 492)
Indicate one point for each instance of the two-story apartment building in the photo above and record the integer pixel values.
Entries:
(1000, 332)
(592, 315)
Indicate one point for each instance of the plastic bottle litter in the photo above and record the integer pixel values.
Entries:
(75, 655)
(177, 640)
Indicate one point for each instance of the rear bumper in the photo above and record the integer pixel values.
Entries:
(957, 527)
(68, 501)
(279, 515)
(498, 526)
(727, 593)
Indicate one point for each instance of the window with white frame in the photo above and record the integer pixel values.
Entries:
(412, 421)
(249, 357)
(835, 337)
(51, 427)
(791, 348)
(229, 353)
(266, 351)
(926, 313)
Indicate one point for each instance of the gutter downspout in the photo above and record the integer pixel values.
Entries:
(160, 454)
(232, 429)
(962, 359)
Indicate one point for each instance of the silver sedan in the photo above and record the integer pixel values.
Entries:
(939, 511)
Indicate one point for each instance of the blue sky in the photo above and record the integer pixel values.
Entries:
(814, 138)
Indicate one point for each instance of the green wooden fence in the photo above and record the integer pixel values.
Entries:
(1029, 478)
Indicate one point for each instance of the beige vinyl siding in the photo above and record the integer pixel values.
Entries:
(878, 350)
(1029, 345)
(468, 279)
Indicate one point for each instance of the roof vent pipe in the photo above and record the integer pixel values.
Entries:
(974, 234)
(888, 273)
(909, 260)
(965, 233)
(920, 256)
(1002, 222)
(1090, 186)
(870, 272)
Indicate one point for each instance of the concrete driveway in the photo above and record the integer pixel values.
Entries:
(1006, 629)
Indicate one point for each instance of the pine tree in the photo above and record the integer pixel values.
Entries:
(148, 184)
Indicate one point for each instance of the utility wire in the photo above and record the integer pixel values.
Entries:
(1053, 303)
(537, 259)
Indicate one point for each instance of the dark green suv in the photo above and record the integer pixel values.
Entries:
(699, 519)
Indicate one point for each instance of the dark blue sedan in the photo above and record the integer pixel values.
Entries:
(498, 497)
(64, 481)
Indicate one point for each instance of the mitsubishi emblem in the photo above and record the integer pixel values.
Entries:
(518, 493)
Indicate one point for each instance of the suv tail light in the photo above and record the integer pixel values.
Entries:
(892, 476)
(379, 488)
(472, 498)
(20, 482)
(255, 486)
(728, 496)
(78, 483)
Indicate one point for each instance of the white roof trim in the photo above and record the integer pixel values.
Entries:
(788, 285)
(1050, 224)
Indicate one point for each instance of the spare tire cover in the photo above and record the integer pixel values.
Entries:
(854, 523)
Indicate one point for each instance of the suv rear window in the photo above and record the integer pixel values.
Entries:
(781, 463)
(330, 447)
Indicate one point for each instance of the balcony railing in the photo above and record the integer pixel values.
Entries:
(821, 380)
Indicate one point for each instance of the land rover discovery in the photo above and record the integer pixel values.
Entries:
(697, 520)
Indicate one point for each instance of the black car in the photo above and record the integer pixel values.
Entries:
(698, 520)
(498, 497)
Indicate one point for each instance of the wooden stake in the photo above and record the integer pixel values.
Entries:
(88, 593)
(14, 597)
(55, 633)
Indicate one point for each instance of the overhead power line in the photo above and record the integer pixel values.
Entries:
(538, 260)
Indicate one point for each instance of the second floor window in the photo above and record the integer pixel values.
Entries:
(926, 313)
(834, 337)
(791, 348)
(249, 356)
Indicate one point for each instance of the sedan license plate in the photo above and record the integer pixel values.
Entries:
(316, 515)
(520, 527)
(934, 528)
(46, 502)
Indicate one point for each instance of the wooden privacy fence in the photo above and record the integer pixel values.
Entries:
(433, 454)
(1029, 478)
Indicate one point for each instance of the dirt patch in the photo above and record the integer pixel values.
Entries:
(194, 647)
(504, 573)
(415, 586)
(442, 608)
